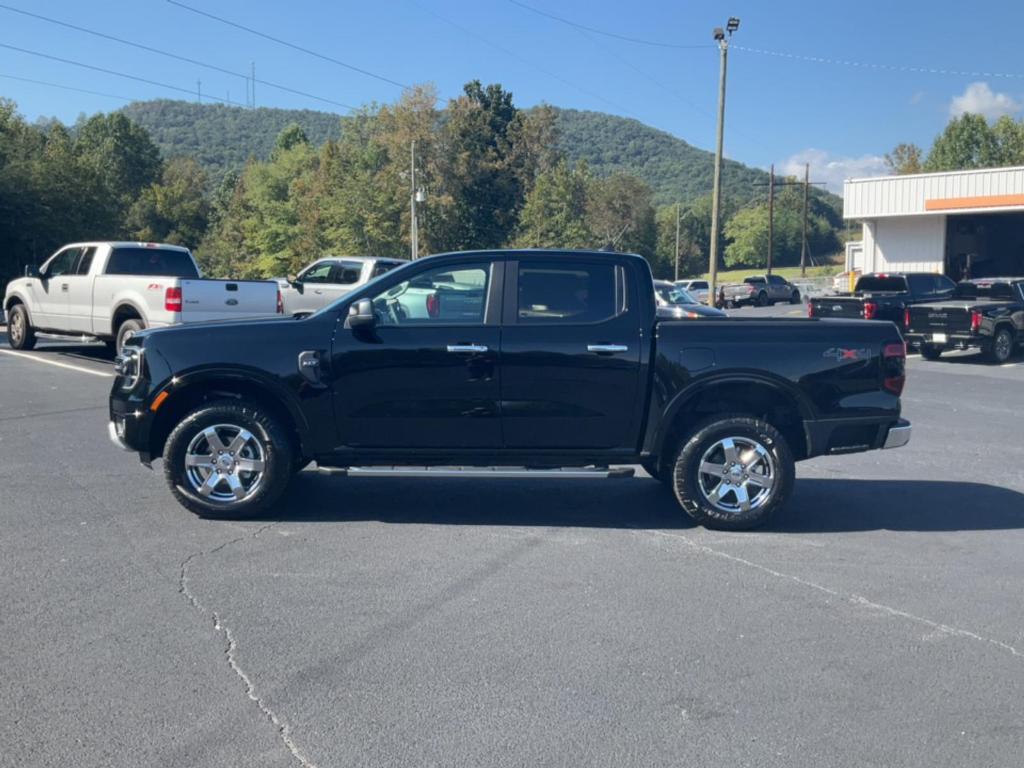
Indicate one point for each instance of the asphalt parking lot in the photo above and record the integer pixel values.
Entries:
(877, 622)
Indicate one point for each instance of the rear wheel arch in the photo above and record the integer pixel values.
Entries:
(191, 395)
(755, 397)
(124, 311)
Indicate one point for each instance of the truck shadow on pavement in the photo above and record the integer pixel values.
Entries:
(817, 506)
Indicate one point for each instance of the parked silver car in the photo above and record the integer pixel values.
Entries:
(328, 279)
(677, 303)
(696, 288)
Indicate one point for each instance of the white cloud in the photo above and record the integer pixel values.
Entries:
(831, 168)
(979, 99)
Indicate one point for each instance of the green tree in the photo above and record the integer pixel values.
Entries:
(620, 213)
(967, 142)
(555, 212)
(1008, 135)
(175, 209)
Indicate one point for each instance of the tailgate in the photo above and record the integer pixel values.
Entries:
(929, 319)
(203, 300)
(838, 306)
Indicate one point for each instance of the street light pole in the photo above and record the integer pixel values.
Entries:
(677, 241)
(716, 193)
(771, 217)
(414, 235)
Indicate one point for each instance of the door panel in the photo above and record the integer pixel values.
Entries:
(570, 356)
(79, 294)
(52, 307)
(424, 379)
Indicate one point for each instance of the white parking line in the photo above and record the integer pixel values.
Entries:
(78, 368)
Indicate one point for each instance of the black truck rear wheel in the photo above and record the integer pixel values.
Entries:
(733, 472)
(1000, 349)
(929, 352)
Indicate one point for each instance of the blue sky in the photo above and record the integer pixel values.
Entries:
(799, 102)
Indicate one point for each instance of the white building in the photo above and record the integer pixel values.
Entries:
(961, 223)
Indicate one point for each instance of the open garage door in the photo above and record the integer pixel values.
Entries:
(985, 245)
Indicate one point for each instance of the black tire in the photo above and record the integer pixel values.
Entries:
(704, 444)
(125, 330)
(20, 333)
(762, 299)
(795, 298)
(928, 352)
(1000, 349)
(261, 492)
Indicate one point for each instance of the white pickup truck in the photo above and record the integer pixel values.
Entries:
(109, 290)
(328, 279)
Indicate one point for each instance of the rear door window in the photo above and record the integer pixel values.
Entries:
(383, 266)
(568, 292)
(347, 272)
(151, 262)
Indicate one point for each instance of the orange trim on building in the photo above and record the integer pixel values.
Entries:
(985, 201)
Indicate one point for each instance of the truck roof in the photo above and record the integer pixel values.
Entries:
(361, 258)
(126, 244)
(544, 253)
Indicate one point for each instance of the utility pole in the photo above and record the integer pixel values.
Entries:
(677, 240)
(803, 243)
(199, 91)
(771, 217)
(414, 236)
(716, 194)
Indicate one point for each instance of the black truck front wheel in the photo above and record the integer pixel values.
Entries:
(733, 473)
(228, 460)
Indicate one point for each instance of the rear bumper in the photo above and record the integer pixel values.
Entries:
(953, 340)
(899, 435)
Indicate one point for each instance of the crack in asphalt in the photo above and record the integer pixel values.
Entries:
(849, 597)
(231, 647)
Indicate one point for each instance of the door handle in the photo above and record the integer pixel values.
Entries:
(63, 286)
(467, 348)
(318, 292)
(607, 349)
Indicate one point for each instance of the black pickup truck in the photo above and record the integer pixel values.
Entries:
(508, 364)
(883, 296)
(985, 313)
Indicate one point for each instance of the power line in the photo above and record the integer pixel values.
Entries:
(189, 91)
(874, 65)
(170, 55)
(279, 41)
(517, 57)
(614, 35)
(66, 87)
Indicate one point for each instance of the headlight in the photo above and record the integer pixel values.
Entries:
(128, 365)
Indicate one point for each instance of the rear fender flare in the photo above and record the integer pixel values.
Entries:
(685, 396)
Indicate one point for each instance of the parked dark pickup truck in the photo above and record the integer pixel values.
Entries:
(561, 369)
(881, 296)
(986, 313)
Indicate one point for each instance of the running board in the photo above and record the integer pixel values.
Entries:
(494, 473)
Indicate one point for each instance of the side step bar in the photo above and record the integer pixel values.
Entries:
(494, 473)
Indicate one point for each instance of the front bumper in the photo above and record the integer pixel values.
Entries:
(899, 435)
(115, 431)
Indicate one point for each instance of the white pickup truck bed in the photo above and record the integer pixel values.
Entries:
(95, 289)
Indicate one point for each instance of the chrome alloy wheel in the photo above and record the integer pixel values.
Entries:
(17, 328)
(737, 474)
(1003, 345)
(224, 463)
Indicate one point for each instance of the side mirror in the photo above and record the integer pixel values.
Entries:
(361, 315)
(294, 282)
(31, 270)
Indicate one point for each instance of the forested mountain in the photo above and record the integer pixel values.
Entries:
(221, 137)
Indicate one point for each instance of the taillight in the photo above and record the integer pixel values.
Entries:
(869, 310)
(810, 309)
(434, 305)
(906, 318)
(280, 303)
(894, 367)
(975, 322)
(750, 289)
(172, 300)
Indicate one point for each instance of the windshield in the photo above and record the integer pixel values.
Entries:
(674, 294)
